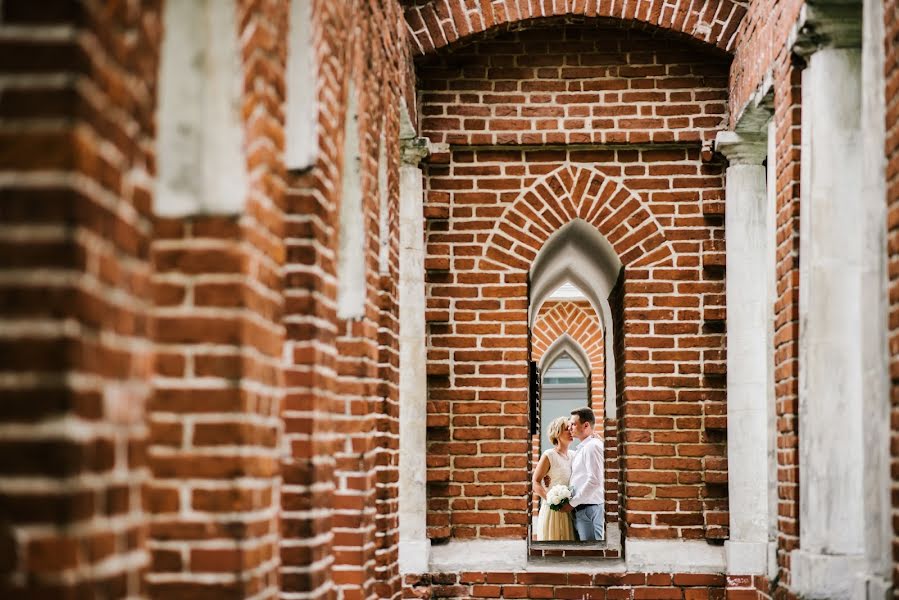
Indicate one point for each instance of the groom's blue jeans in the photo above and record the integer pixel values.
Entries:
(590, 522)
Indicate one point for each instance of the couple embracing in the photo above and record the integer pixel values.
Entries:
(582, 518)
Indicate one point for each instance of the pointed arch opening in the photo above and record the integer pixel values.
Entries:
(571, 336)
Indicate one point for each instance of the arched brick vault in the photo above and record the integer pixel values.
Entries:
(439, 23)
(576, 192)
(580, 322)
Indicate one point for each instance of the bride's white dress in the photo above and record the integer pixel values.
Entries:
(553, 525)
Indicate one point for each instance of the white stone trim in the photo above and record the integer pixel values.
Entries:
(200, 148)
(479, 555)
(673, 556)
(746, 558)
(875, 324)
(351, 254)
(831, 310)
(301, 82)
(748, 367)
(414, 556)
(413, 387)
(565, 343)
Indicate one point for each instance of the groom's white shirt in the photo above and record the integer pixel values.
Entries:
(587, 476)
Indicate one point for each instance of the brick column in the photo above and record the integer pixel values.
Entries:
(414, 544)
(748, 358)
(831, 307)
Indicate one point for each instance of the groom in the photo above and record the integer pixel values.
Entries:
(587, 478)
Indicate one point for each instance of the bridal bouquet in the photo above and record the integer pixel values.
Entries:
(558, 496)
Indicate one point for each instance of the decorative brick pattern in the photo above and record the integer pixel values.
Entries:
(435, 24)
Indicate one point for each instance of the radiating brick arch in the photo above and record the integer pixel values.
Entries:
(575, 192)
(580, 322)
(439, 23)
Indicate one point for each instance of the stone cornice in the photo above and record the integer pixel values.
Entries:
(741, 149)
(414, 150)
(827, 24)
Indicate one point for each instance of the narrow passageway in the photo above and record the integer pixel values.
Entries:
(304, 299)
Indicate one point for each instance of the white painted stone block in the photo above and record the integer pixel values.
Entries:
(874, 296)
(413, 389)
(831, 310)
(200, 151)
(748, 358)
(479, 555)
(746, 558)
(673, 556)
(351, 290)
(816, 576)
(301, 111)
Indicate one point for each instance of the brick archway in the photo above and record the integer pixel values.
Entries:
(579, 321)
(568, 193)
(440, 23)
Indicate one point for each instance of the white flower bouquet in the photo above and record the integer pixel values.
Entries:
(558, 496)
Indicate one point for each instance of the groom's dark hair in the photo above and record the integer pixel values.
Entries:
(585, 415)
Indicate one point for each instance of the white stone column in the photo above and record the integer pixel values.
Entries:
(747, 351)
(414, 549)
(831, 311)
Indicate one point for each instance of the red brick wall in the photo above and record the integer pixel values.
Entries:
(339, 524)
(477, 362)
(559, 585)
(228, 419)
(74, 289)
(891, 29)
(219, 333)
(574, 84)
(214, 417)
(762, 48)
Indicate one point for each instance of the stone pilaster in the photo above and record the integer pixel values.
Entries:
(748, 357)
(414, 547)
(831, 307)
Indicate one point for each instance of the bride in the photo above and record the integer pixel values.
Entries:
(556, 464)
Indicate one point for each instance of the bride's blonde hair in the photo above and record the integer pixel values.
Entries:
(556, 427)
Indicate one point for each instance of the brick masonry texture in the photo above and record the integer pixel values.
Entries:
(891, 67)
(75, 358)
(340, 409)
(534, 584)
(184, 415)
(574, 84)
(435, 24)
